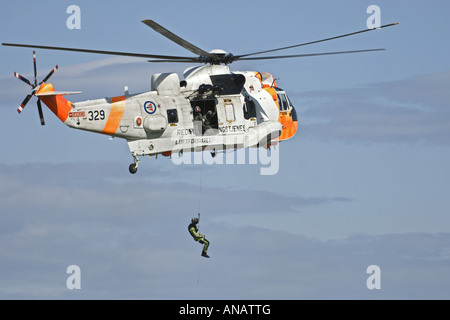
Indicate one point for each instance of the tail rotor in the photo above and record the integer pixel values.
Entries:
(35, 87)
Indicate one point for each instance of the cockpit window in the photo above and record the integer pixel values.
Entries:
(283, 102)
(289, 101)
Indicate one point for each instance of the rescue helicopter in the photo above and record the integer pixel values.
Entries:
(234, 109)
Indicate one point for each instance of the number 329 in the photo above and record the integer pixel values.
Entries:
(96, 115)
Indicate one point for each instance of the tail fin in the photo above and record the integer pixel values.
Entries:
(55, 101)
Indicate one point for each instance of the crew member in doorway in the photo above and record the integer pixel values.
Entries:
(193, 230)
(207, 120)
(198, 121)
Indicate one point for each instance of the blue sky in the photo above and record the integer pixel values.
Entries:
(364, 182)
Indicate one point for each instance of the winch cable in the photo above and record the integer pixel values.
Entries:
(200, 193)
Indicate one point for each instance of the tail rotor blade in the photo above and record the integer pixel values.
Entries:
(34, 87)
(18, 76)
(35, 71)
(25, 101)
(49, 75)
(41, 114)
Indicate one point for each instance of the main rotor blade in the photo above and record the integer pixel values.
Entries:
(127, 54)
(41, 114)
(193, 60)
(180, 41)
(317, 41)
(308, 55)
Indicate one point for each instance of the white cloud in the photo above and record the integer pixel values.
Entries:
(130, 239)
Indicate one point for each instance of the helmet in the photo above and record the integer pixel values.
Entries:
(197, 109)
(194, 220)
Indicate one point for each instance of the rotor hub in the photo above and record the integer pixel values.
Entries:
(219, 56)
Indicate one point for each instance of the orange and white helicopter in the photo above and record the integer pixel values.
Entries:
(212, 107)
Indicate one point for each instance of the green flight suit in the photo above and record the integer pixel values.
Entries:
(193, 230)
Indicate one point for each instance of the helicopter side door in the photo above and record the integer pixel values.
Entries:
(230, 115)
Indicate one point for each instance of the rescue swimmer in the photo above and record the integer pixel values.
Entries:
(193, 230)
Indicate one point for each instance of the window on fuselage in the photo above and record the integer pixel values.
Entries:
(249, 109)
(172, 116)
(229, 83)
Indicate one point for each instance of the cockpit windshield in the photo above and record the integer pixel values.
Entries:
(283, 101)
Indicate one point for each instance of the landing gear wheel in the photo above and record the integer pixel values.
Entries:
(133, 168)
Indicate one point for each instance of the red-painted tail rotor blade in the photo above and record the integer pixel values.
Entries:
(24, 102)
(50, 74)
(35, 70)
(41, 114)
(18, 76)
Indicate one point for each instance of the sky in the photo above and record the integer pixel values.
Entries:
(364, 182)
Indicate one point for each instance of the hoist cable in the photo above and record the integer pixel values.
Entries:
(200, 191)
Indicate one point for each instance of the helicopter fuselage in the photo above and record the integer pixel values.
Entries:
(238, 109)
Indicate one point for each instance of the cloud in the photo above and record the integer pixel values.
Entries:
(409, 111)
(121, 262)
(82, 186)
(129, 237)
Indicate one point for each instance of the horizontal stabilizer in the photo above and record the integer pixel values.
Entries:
(57, 93)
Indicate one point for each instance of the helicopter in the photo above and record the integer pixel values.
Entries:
(211, 108)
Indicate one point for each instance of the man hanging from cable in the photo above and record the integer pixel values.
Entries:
(193, 230)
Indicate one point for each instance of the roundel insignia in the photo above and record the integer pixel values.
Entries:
(149, 107)
(138, 121)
